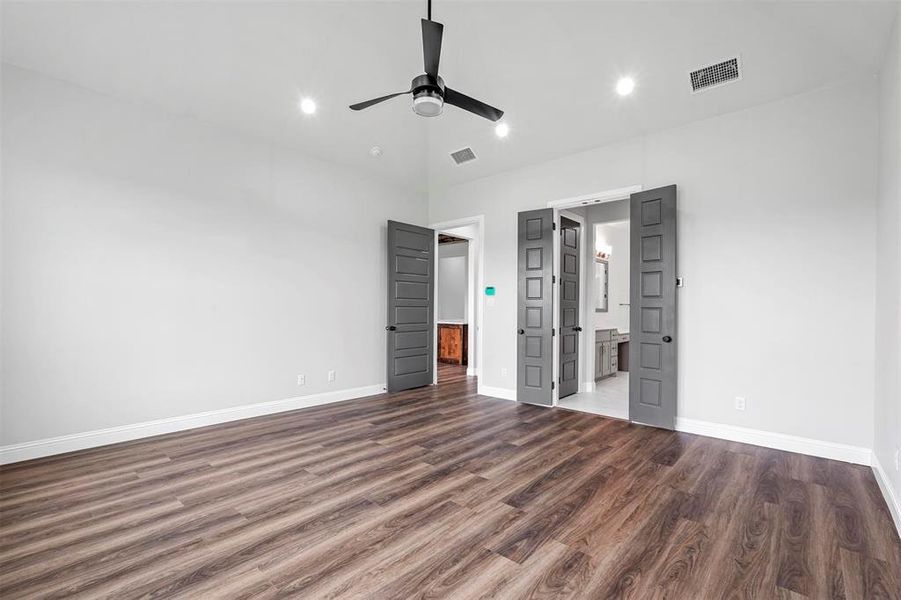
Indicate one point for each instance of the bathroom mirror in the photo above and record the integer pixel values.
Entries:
(600, 278)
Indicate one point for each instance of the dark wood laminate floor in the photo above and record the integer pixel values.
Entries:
(448, 373)
(439, 493)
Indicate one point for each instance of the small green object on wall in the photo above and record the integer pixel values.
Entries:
(489, 291)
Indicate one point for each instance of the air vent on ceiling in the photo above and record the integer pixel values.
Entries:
(715, 75)
(463, 156)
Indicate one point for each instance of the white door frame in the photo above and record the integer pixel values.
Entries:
(596, 198)
(479, 222)
(560, 207)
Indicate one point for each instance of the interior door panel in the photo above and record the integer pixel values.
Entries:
(653, 339)
(534, 374)
(568, 369)
(411, 306)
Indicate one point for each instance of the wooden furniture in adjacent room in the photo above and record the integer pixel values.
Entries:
(453, 343)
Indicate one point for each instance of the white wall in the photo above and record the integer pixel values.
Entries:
(453, 282)
(617, 236)
(777, 219)
(156, 266)
(888, 268)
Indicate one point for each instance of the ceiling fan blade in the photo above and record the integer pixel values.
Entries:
(368, 103)
(472, 105)
(432, 32)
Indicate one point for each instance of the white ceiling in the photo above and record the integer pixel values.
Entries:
(550, 65)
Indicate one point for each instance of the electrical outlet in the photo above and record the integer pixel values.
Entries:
(503, 372)
(301, 380)
(331, 375)
(739, 403)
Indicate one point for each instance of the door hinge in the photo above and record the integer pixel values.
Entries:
(552, 385)
(553, 279)
(678, 282)
(554, 226)
(553, 331)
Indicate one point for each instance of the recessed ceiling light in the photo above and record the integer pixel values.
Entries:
(307, 106)
(501, 130)
(375, 151)
(625, 85)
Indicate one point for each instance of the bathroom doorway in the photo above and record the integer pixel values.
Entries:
(605, 291)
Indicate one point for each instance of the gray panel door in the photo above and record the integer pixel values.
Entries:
(534, 371)
(411, 306)
(652, 346)
(569, 308)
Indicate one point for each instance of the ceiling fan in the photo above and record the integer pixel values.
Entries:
(429, 92)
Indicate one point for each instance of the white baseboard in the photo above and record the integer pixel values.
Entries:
(125, 433)
(496, 392)
(472, 372)
(779, 441)
(892, 499)
(587, 386)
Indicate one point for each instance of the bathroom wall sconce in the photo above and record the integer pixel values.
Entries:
(603, 252)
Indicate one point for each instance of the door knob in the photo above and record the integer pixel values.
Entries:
(390, 328)
(522, 331)
(577, 329)
(667, 339)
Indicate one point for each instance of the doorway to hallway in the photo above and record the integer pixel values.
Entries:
(448, 373)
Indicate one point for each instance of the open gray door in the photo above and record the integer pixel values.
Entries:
(534, 351)
(652, 347)
(411, 306)
(569, 309)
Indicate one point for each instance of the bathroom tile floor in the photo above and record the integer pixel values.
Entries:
(610, 398)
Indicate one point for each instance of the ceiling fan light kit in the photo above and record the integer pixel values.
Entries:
(428, 104)
(428, 96)
(429, 92)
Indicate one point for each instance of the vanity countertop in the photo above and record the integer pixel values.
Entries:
(613, 331)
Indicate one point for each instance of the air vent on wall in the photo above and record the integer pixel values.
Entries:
(463, 156)
(715, 75)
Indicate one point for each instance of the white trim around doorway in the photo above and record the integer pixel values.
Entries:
(596, 198)
(479, 222)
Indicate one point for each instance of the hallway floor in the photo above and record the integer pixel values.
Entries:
(448, 373)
